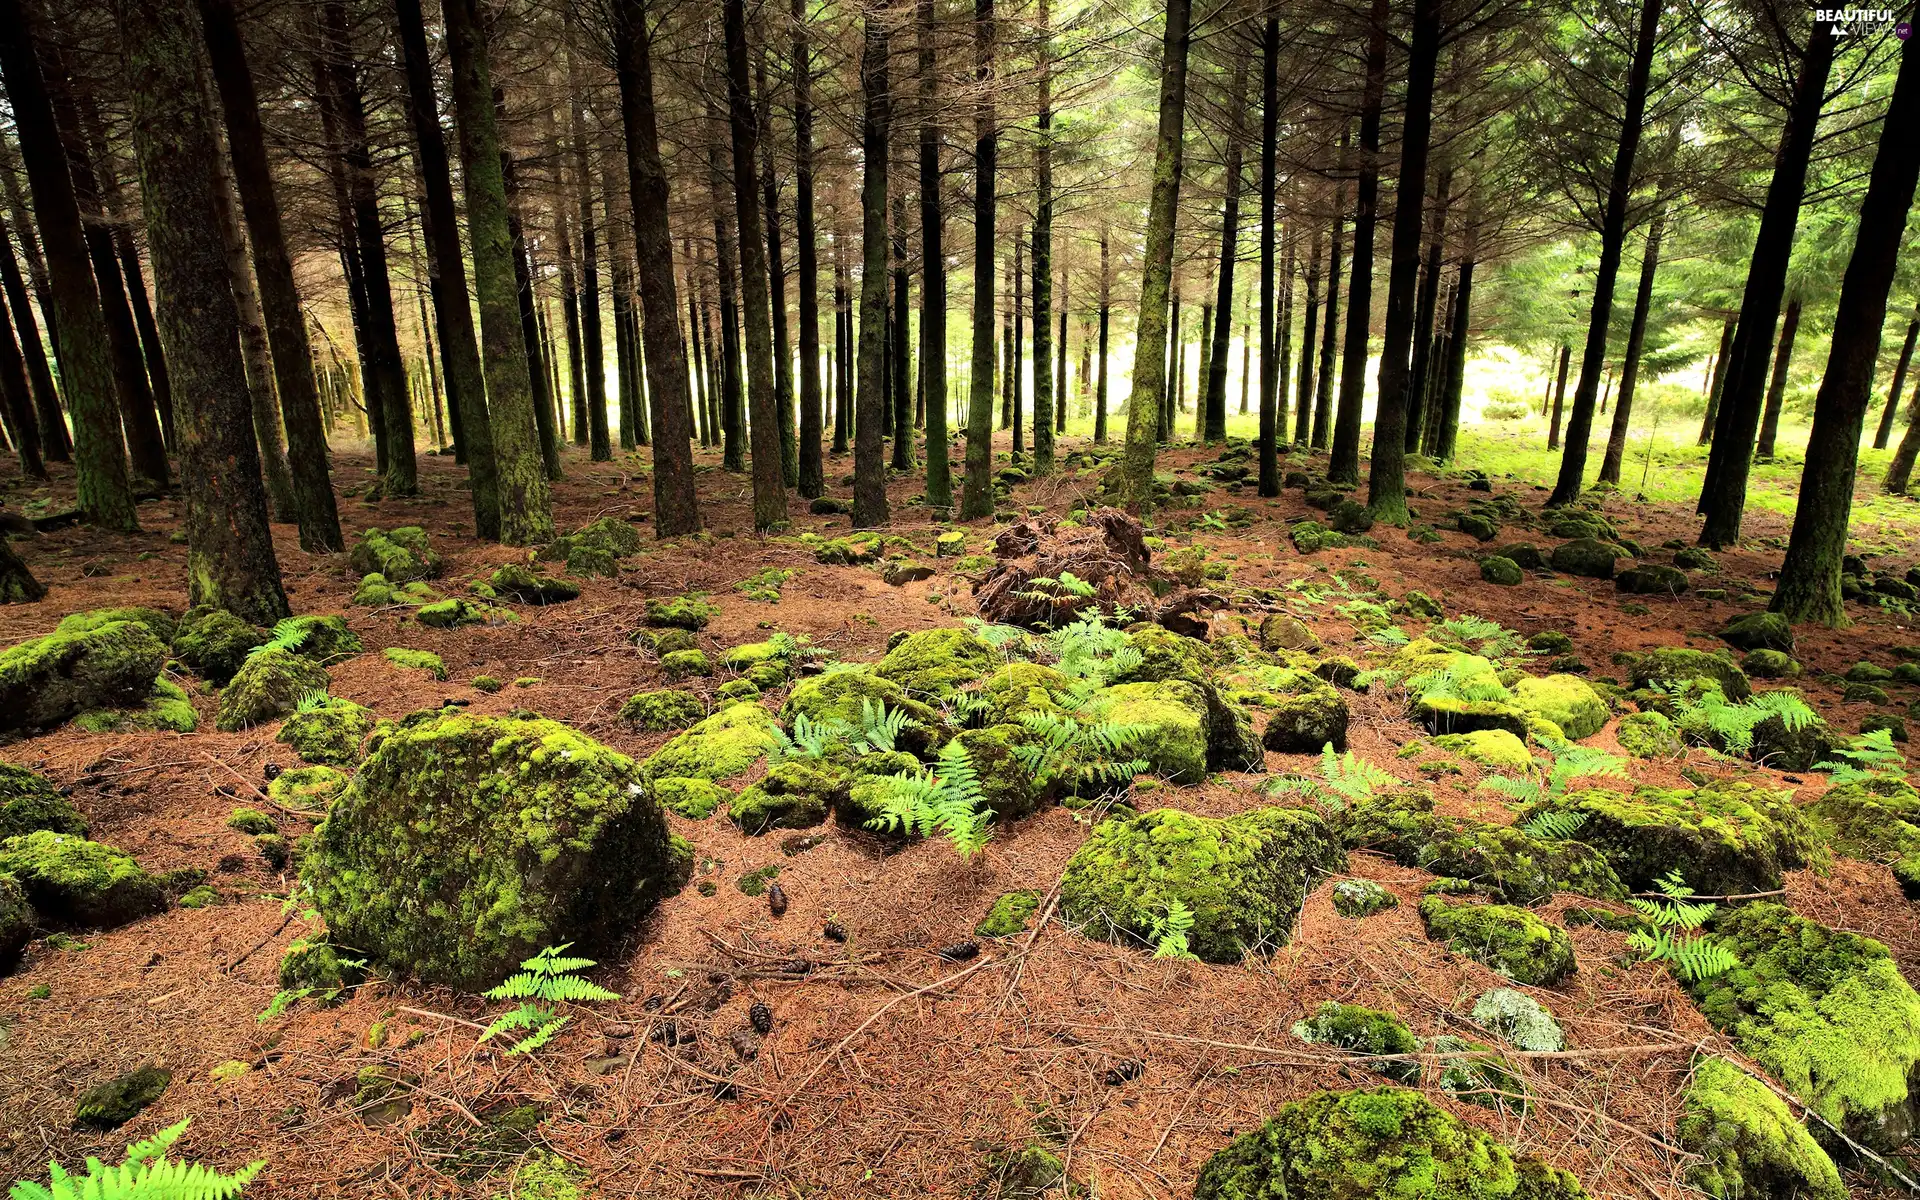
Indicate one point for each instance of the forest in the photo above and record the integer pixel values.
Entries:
(959, 598)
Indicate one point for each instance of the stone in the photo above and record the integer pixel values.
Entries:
(17, 921)
(270, 685)
(107, 1106)
(1488, 748)
(306, 789)
(215, 643)
(466, 844)
(1173, 717)
(1518, 1020)
(328, 734)
(1349, 516)
(1502, 571)
(1748, 1144)
(1648, 735)
(30, 802)
(1759, 631)
(694, 799)
(690, 612)
(719, 747)
(1567, 700)
(1676, 664)
(49, 680)
(1585, 557)
(1550, 641)
(933, 664)
(1525, 556)
(842, 697)
(1243, 877)
(77, 884)
(1651, 579)
(1693, 558)
(1365, 1031)
(1305, 715)
(828, 506)
(792, 795)
(1362, 898)
(1011, 913)
(1773, 664)
(1727, 838)
(1511, 941)
(662, 711)
(1875, 820)
(685, 664)
(519, 581)
(1478, 527)
(402, 554)
(167, 708)
(1282, 632)
(901, 572)
(416, 660)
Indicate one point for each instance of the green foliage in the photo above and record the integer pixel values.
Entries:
(1090, 648)
(1705, 715)
(146, 1174)
(1554, 825)
(1087, 754)
(1568, 762)
(764, 586)
(1674, 936)
(549, 978)
(1344, 780)
(312, 700)
(944, 801)
(1871, 756)
(289, 634)
(1170, 930)
(1493, 639)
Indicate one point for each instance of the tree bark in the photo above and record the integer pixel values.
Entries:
(1717, 380)
(1106, 321)
(22, 424)
(1809, 587)
(1273, 422)
(1885, 430)
(869, 465)
(230, 558)
(899, 347)
(1900, 467)
(933, 271)
(1777, 391)
(536, 332)
(593, 349)
(1419, 384)
(1317, 436)
(1636, 342)
(1343, 469)
(46, 398)
(1214, 428)
(1559, 398)
(812, 477)
(1303, 393)
(1457, 337)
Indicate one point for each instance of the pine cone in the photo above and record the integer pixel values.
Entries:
(761, 1018)
(777, 900)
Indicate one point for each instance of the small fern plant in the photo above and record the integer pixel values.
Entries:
(1871, 756)
(945, 801)
(547, 979)
(1554, 825)
(1489, 638)
(1066, 590)
(1344, 780)
(1567, 763)
(1091, 756)
(1674, 935)
(879, 727)
(1171, 929)
(312, 700)
(1089, 648)
(289, 634)
(1457, 680)
(809, 739)
(1706, 716)
(147, 1174)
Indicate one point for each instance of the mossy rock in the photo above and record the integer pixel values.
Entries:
(1526, 557)
(215, 643)
(685, 664)
(1011, 913)
(30, 802)
(1826, 1013)
(1282, 632)
(1488, 748)
(739, 689)
(1567, 700)
(518, 581)
(1511, 941)
(662, 711)
(402, 555)
(1173, 718)
(1243, 877)
(851, 550)
(1016, 688)
(1759, 631)
(1311, 537)
(454, 613)
(1009, 788)
(1727, 838)
(1693, 558)
(1773, 664)
(1876, 820)
(51, 679)
(159, 624)
(324, 638)
(866, 796)
(1519, 1020)
(17, 921)
(1385, 1143)
(840, 696)
(307, 788)
(77, 884)
(694, 799)
(1586, 557)
(1305, 714)
(270, 685)
(374, 591)
(466, 844)
(1580, 523)
(1363, 1030)
(1165, 654)
(1651, 579)
(1500, 570)
(250, 821)
(1648, 735)
(792, 795)
(329, 735)
(416, 660)
(1504, 860)
(690, 612)
(1358, 898)
(169, 709)
(108, 1106)
(718, 747)
(1748, 1144)
(1677, 664)
(1784, 749)
(1550, 641)
(313, 965)
(934, 664)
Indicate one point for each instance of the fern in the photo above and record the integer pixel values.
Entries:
(1489, 639)
(1871, 756)
(1706, 716)
(945, 801)
(1089, 648)
(1170, 932)
(879, 727)
(1392, 635)
(1554, 825)
(810, 738)
(1674, 936)
(147, 1174)
(1344, 780)
(1453, 680)
(1000, 637)
(1567, 763)
(312, 700)
(1090, 755)
(550, 978)
(290, 633)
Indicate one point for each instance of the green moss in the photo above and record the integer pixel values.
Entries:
(850, 550)
(1305, 713)
(543, 1175)
(268, 686)
(1675, 664)
(323, 638)
(402, 554)
(313, 965)
(1367, 1031)
(1011, 913)
(1519, 1020)
(1748, 1144)
(78, 884)
(1385, 1143)
(416, 660)
(721, 746)
(1648, 735)
(455, 613)
(518, 581)
(168, 709)
(1770, 664)
(465, 844)
(1566, 700)
(17, 920)
(1243, 877)
(690, 612)
(1358, 898)
(685, 664)
(250, 821)
(107, 1106)
(485, 683)
(215, 643)
(665, 641)
(1877, 820)
(1488, 747)
(277, 850)
(159, 624)
(1165, 654)
(1009, 787)
(1512, 941)
(792, 795)
(841, 696)
(30, 802)
(1501, 570)
(1173, 719)
(658, 712)
(1502, 859)
(935, 663)
(374, 591)
(1826, 1012)
(1584, 556)
(695, 799)
(48, 680)
(307, 788)
(1726, 838)
(329, 735)
(202, 896)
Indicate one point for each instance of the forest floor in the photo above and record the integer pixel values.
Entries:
(890, 1072)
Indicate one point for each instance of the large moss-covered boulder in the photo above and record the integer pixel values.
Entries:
(719, 747)
(1452, 692)
(30, 802)
(1651, 579)
(48, 680)
(1488, 748)
(1010, 789)
(792, 795)
(330, 733)
(1827, 1013)
(1588, 557)
(168, 709)
(1016, 688)
(77, 884)
(1677, 664)
(1759, 631)
(1877, 820)
(1747, 1142)
(844, 696)
(1726, 838)
(1512, 941)
(690, 612)
(1165, 654)
(935, 663)
(1243, 877)
(402, 554)
(1306, 713)
(519, 581)
(1385, 1143)
(661, 711)
(1567, 700)
(1503, 860)
(1648, 735)
(1363, 1030)
(466, 844)
(1282, 632)
(215, 643)
(323, 638)
(270, 685)
(1172, 716)
(159, 624)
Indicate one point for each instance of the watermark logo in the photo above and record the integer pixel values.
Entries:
(1859, 21)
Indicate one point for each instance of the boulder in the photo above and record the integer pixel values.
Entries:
(1759, 631)
(271, 684)
(518, 581)
(1518, 1020)
(1585, 557)
(1502, 571)
(1016, 688)
(1550, 641)
(690, 612)
(1648, 735)
(933, 664)
(1693, 558)
(1349, 516)
(1773, 664)
(328, 734)
(685, 664)
(1651, 579)
(843, 696)
(1674, 664)
(1511, 941)
(402, 554)
(694, 799)
(1173, 718)
(1727, 838)
(1282, 632)
(77, 884)
(1747, 1143)
(662, 711)
(1363, 1030)
(466, 844)
(1875, 820)
(159, 624)
(1306, 714)
(29, 802)
(1488, 748)
(109, 1105)
(1567, 700)
(1362, 898)
(168, 708)
(17, 920)
(1243, 877)
(1502, 860)
(791, 795)
(48, 680)
(719, 747)
(1527, 557)
(306, 788)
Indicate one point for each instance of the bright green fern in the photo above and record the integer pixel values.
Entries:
(1554, 825)
(1567, 762)
(1092, 756)
(1490, 639)
(945, 801)
(1171, 930)
(1871, 756)
(1344, 780)
(290, 633)
(1675, 937)
(549, 978)
(1705, 716)
(147, 1174)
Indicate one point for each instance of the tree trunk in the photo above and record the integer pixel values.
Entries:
(1106, 321)
(525, 513)
(843, 352)
(1343, 469)
(46, 398)
(1150, 341)
(1809, 587)
(626, 350)
(536, 332)
(1559, 399)
(1419, 385)
(22, 423)
(593, 350)
(1900, 467)
(1457, 338)
(869, 465)
(17, 584)
(1214, 404)
(933, 270)
(1317, 437)
(1881, 434)
(1723, 494)
(86, 359)
(1777, 392)
(1303, 392)
(1273, 423)
(1636, 342)
(1717, 381)
(230, 558)
(899, 346)
(1017, 400)
(812, 477)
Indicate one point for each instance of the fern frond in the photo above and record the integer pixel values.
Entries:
(1555, 825)
(1520, 791)
(539, 1037)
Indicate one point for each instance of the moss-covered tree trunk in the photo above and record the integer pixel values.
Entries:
(933, 269)
(17, 584)
(1149, 385)
(230, 558)
(1810, 575)
(525, 514)
(1777, 390)
(1636, 341)
(86, 359)
(1343, 469)
(869, 463)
